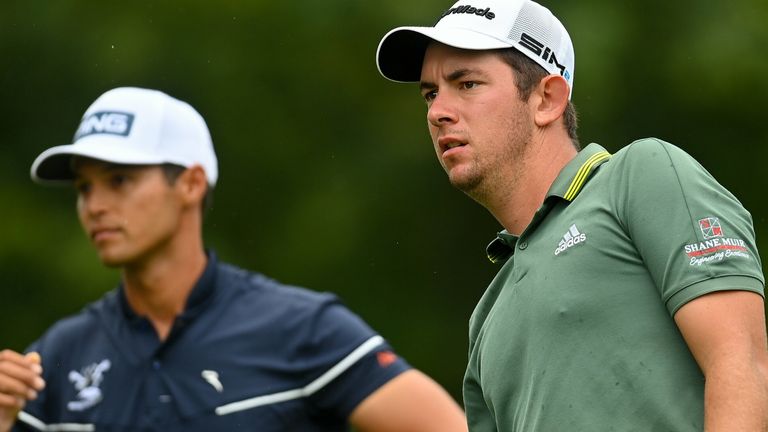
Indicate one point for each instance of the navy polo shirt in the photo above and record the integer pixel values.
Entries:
(247, 354)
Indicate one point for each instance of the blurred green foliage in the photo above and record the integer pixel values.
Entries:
(328, 179)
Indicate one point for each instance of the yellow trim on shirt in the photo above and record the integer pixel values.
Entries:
(581, 175)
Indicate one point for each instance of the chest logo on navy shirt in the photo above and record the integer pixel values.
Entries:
(716, 246)
(572, 237)
(87, 382)
(212, 377)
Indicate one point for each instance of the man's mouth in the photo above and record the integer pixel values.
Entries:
(103, 233)
(448, 143)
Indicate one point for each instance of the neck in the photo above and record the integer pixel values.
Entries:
(159, 285)
(523, 192)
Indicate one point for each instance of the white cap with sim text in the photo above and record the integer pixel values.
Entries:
(134, 126)
(481, 25)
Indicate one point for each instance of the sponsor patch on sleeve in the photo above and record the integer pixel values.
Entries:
(716, 246)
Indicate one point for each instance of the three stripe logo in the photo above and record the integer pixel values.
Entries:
(571, 238)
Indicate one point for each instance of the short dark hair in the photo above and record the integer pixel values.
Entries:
(528, 75)
(172, 173)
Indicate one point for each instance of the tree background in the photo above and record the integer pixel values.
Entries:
(328, 179)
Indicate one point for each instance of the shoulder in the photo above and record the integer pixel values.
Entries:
(295, 322)
(650, 150)
(269, 293)
(287, 309)
(77, 329)
(86, 318)
(652, 161)
(657, 155)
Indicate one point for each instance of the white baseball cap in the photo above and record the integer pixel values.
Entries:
(481, 25)
(133, 126)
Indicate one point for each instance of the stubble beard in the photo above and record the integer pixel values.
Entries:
(469, 179)
(497, 173)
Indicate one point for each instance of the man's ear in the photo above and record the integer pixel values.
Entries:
(552, 100)
(193, 184)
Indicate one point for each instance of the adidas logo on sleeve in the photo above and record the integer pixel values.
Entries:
(571, 238)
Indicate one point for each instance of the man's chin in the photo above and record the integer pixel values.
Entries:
(464, 181)
(112, 260)
(472, 186)
(112, 263)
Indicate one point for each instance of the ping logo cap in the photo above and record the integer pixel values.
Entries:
(133, 126)
(481, 25)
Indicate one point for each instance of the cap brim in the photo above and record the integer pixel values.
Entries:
(401, 51)
(53, 165)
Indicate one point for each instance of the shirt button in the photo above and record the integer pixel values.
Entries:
(156, 364)
(523, 245)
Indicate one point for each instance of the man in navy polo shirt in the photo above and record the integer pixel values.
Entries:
(188, 343)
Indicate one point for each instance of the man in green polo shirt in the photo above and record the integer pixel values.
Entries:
(631, 292)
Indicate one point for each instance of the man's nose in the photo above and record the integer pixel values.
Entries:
(442, 110)
(94, 201)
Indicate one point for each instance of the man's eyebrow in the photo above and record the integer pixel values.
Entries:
(426, 85)
(459, 73)
(453, 76)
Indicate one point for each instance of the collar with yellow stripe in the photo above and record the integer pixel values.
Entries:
(567, 186)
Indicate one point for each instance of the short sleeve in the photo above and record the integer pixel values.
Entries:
(693, 235)
(352, 359)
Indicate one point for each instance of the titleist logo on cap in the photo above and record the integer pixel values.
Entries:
(105, 122)
(471, 10)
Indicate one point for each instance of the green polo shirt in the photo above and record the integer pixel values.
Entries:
(576, 332)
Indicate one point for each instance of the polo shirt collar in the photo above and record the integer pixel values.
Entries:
(577, 172)
(202, 291)
(567, 186)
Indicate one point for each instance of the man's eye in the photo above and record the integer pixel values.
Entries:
(118, 179)
(82, 187)
(430, 95)
(469, 85)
